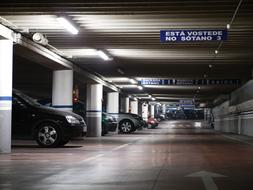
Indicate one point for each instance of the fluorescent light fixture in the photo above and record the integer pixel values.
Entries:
(153, 99)
(80, 52)
(103, 55)
(132, 81)
(67, 25)
(216, 51)
(118, 79)
(140, 87)
(199, 87)
(128, 86)
(149, 96)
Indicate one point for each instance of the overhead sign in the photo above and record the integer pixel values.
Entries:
(193, 35)
(186, 102)
(192, 82)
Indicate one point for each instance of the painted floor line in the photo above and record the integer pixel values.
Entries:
(93, 158)
(237, 140)
(120, 147)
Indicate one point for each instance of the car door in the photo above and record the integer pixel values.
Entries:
(20, 118)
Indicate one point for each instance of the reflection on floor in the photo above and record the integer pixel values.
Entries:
(178, 155)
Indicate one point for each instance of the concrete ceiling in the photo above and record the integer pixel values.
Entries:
(129, 32)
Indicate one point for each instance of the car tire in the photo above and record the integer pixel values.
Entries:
(104, 131)
(126, 126)
(49, 135)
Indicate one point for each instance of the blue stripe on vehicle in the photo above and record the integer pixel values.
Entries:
(5, 98)
(62, 106)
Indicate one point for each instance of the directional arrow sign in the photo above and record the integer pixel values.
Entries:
(207, 178)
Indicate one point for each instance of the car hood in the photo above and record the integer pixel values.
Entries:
(49, 110)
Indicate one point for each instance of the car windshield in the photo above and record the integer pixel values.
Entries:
(27, 99)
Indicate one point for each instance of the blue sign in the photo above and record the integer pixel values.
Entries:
(186, 102)
(191, 82)
(193, 35)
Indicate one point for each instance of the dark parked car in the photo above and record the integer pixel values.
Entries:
(160, 117)
(109, 123)
(48, 126)
(129, 122)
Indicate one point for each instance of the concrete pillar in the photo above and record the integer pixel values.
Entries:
(205, 114)
(112, 102)
(62, 90)
(134, 107)
(156, 109)
(152, 111)
(6, 62)
(125, 105)
(239, 125)
(145, 111)
(164, 109)
(94, 109)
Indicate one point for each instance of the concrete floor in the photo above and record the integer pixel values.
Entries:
(151, 159)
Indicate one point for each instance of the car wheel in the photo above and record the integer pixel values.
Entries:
(48, 135)
(126, 126)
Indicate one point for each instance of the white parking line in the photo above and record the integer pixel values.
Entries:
(93, 158)
(100, 155)
(239, 140)
(120, 147)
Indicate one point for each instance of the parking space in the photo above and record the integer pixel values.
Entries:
(162, 158)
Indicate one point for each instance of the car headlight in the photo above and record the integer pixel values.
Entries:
(72, 119)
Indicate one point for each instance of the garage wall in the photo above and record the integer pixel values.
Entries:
(31, 78)
(236, 114)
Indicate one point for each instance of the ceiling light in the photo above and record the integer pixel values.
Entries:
(228, 26)
(132, 81)
(135, 99)
(149, 96)
(153, 99)
(199, 87)
(103, 55)
(210, 66)
(216, 51)
(67, 25)
(140, 87)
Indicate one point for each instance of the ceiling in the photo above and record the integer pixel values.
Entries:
(129, 32)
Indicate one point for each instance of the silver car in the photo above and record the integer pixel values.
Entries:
(128, 122)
